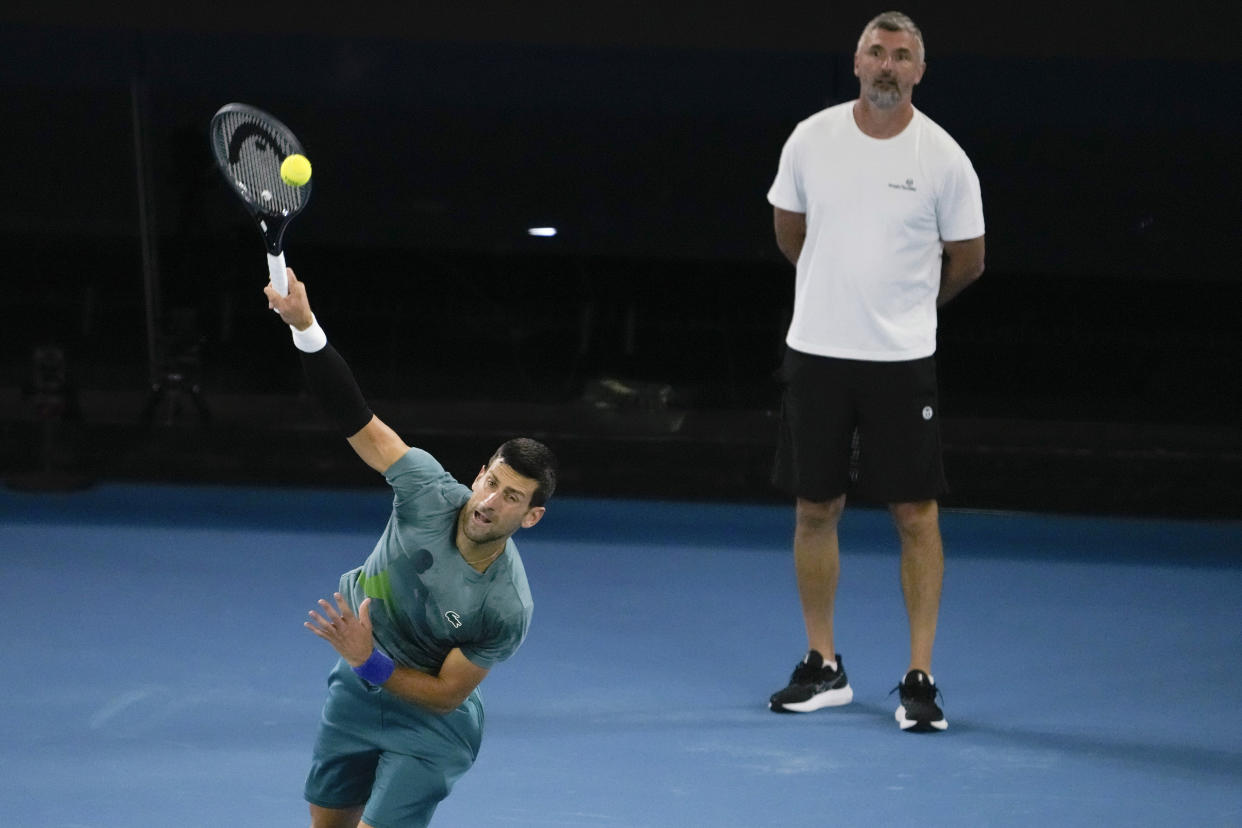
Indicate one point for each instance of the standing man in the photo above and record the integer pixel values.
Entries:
(440, 600)
(880, 211)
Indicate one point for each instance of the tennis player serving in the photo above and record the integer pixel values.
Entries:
(440, 600)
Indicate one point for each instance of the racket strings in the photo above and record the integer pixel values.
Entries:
(253, 152)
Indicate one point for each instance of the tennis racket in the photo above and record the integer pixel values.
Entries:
(250, 145)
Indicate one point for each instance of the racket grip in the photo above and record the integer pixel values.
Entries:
(276, 270)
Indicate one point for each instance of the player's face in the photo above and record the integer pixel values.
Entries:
(499, 505)
(888, 67)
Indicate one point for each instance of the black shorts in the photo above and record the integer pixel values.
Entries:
(851, 425)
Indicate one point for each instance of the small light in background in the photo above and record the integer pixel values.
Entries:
(545, 232)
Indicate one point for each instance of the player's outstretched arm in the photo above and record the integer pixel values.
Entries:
(378, 445)
(333, 383)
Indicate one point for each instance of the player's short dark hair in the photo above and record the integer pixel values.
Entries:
(530, 458)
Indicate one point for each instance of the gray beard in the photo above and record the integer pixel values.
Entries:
(884, 98)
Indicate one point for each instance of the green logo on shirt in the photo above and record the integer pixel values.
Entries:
(377, 586)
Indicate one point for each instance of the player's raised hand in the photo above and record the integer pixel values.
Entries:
(349, 634)
(294, 309)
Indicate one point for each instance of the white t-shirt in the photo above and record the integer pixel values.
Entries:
(877, 211)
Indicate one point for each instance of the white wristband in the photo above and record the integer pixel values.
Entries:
(310, 340)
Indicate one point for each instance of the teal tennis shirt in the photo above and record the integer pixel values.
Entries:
(425, 598)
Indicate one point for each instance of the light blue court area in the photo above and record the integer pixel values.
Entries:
(157, 672)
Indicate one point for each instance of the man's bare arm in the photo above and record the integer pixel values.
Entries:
(790, 233)
(961, 264)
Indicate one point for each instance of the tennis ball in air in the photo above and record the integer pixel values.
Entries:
(295, 170)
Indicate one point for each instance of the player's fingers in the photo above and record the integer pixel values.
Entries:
(314, 629)
(342, 607)
(274, 299)
(297, 287)
(364, 611)
(328, 610)
(319, 625)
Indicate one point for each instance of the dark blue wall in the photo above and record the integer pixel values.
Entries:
(1110, 186)
(1090, 166)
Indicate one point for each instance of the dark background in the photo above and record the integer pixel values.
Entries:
(1094, 368)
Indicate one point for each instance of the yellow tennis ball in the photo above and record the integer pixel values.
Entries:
(295, 170)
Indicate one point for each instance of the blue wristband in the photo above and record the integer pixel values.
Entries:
(377, 669)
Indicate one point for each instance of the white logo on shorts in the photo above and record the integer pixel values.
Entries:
(453, 618)
(927, 412)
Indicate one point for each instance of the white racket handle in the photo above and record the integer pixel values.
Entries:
(276, 270)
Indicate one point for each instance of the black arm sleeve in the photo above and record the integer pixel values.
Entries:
(333, 384)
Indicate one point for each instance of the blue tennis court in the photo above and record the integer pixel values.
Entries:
(159, 674)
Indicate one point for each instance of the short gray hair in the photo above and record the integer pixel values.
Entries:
(895, 21)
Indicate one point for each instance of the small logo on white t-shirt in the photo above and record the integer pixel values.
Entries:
(453, 618)
(908, 184)
(927, 412)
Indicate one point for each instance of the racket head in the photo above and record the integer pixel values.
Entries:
(249, 146)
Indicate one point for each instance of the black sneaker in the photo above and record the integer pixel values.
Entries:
(813, 686)
(919, 712)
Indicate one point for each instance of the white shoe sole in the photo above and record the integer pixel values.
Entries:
(907, 724)
(828, 698)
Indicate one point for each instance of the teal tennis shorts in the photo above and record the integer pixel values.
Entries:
(399, 759)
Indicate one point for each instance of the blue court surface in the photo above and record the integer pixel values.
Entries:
(158, 673)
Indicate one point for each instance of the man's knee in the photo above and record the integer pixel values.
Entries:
(335, 818)
(819, 515)
(918, 520)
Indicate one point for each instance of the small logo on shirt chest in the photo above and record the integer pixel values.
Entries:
(908, 184)
(453, 618)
